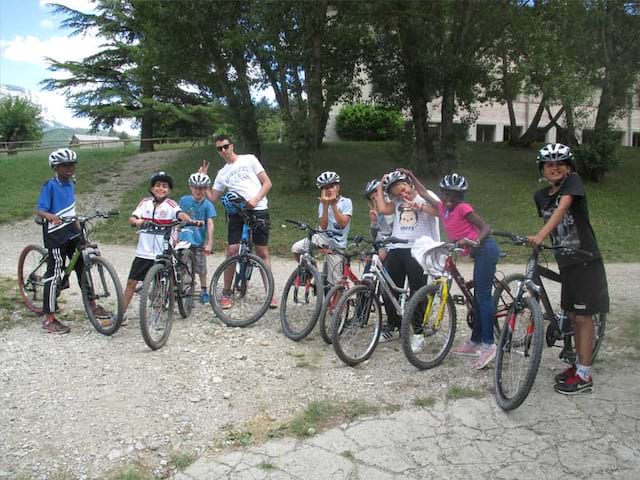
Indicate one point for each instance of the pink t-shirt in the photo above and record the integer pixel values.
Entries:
(455, 222)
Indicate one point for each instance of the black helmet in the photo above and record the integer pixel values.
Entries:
(161, 177)
(555, 152)
(454, 182)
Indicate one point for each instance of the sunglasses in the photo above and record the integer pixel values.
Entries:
(223, 147)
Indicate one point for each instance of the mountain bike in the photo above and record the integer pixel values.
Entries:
(250, 294)
(100, 286)
(304, 291)
(520, 346)
(435, 307)
(171, 277)
(357, 318)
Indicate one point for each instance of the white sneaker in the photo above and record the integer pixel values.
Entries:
(389, 335)
(417, 343)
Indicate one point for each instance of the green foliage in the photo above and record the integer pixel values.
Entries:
(456, 393)
(599, 156)
(369, 122)
(19, 120)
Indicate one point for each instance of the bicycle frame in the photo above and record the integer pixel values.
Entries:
(381, 278)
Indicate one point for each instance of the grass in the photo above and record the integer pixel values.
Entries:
(181, 460)
(10, 300)
(426, 402)
(130, 472)
(266, 466)
(456, 393)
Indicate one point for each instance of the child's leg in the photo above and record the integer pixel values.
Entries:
(55, 271)
(485, 258)
(583, 326)
(129, 291)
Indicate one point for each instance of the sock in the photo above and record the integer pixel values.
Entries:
(583, 371)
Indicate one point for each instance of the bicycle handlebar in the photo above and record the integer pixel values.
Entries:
(521, 240)
(306, 226)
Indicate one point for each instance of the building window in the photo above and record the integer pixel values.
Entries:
(485, 133)
(506, 132)
(635, 139)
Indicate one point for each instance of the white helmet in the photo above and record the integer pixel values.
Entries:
(199, 180)
(371, 187)
(454, 182)
(555, 152)
(327, 178)
(393, 178)
(62, 155)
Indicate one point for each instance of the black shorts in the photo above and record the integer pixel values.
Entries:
(260, 232)
(584, 288)
(139, 268)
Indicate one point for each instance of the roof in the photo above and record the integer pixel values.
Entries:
(95, 138)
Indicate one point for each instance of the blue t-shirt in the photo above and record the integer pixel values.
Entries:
(197, 211)
(57, 197)
(345, 207)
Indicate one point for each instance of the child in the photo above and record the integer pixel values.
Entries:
(563, 206)
(381, 225)
(57, 199)
(199, 207)
(465, 227)
(334, 213)
(161, 210)
(413, 219)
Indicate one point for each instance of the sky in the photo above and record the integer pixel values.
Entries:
(30, 32)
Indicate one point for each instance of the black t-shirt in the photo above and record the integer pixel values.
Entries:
(575, 229)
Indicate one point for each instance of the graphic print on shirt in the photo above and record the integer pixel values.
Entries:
(408, 218)
(566, 233)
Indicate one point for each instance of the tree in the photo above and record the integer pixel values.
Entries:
(19, 122)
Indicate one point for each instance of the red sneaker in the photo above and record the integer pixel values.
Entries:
(565, 375)
(575, 385)
(54, 326)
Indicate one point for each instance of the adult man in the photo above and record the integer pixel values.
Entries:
(244, 175)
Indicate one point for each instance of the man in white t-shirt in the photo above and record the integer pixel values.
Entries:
(244, 175)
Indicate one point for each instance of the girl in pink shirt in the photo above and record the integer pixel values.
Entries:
(465, 227)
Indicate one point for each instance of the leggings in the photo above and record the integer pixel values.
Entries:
(399, 263)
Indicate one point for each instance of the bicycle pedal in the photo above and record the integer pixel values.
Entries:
(458, 299)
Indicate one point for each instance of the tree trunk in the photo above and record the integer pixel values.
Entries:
(314, 82)
(448, 161)
(513, 128)
(572, 140)
(147, 130)
(531, 134)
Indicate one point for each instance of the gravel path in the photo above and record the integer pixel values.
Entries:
(81, 405)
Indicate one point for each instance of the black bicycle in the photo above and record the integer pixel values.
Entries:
(171, 277)
(520, 346)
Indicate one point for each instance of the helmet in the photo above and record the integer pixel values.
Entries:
(327, 178)
(161, 177)
(555, 152)
(199, 180)
(62, 155)
(371, 187)
(454, 182)
(233, 203)
(393, 178)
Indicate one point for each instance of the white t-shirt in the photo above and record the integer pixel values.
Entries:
(241, 177)
(410, 224)
(150, 244)
(345, 207)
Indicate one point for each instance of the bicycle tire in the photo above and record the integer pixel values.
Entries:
(156, 306)
(298, 316)
(528, 326)
(503, 297)
(249, 304)
(101, 286)
(352, 323)
(186, 282)
(437, 339)
(329, 303)
(32, 267)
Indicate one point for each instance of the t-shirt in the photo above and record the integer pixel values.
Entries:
(57, 197)
(202, 210)
(455, 222)
(345, 207)
(410, 224)
(241, 177)
(575, 228)
(150, 244)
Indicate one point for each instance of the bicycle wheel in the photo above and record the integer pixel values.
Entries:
(185, 271)
(329, 304)
(435, 323)
(32, 266)
(249, 297)
(357, 321)
(102, 296)
(301, 302)
(517, 362)
(505, 291)
(156, 306)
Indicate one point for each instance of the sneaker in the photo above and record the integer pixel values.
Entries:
(565, 375)
(54, 326)
(467, 348)
(417, 343)
(274, 303)
(125, 320)
(204, 298)
(225, 302)
(100, 312)
(389, 335)
(575, 385)
(485, 357)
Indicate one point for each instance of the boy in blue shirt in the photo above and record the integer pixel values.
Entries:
(199, 207)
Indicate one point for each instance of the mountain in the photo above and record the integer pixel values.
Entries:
(48, 119)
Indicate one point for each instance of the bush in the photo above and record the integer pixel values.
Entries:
(599, 156)
(369, 122)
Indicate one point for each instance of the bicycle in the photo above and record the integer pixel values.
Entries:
(354, 334)
(171, 276)
(304, 291)
(435, 307)
(100, 286)
(250, 299)
(520, 346)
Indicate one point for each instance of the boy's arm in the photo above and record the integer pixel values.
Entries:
(342, 219)
(381, 205)
(135, 221)
(563, 206)
(49, 217)
(208, 247)
(265, 187)
(483, 226)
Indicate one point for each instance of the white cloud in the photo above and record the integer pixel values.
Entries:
(85, 6)
(31, 49)
(46, 23)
